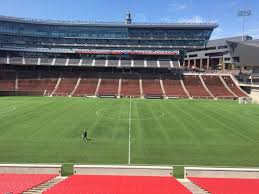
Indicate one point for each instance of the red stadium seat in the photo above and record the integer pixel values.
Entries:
(228, 185)
(216, 86)
(151, 85)
(231, 84)
(18, 183)
(91, 184)
(194, 86)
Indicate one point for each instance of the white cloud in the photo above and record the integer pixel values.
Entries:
(194, 19)
(177, 7)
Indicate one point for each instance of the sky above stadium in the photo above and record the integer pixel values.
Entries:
(224, 12)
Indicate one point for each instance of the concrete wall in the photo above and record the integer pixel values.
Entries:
(30, 169)
(255, 94)
(221, 172)
(124, 170)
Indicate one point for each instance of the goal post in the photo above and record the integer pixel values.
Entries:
(245, 100)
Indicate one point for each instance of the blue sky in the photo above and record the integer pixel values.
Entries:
(224, 12)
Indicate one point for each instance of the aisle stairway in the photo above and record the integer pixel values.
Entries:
(192, 187)
(43, 187)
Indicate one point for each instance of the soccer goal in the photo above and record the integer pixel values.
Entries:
(245, 100)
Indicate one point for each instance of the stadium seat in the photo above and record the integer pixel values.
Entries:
(231, 84)
(228, 185)
(92, 184)
(151, 85)
(130, 85)
(109, 85)
(67, 84)
(87, 85)
(173, 87)
(18, 183)
(216, 87)
(194, 86)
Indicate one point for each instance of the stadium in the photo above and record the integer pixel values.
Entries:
(155, 122)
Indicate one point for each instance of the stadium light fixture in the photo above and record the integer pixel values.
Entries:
(244, 14)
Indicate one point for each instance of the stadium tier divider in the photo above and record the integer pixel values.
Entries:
(30, 169)
(165, 171)
(245, 173)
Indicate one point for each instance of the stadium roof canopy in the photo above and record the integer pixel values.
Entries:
(110, 24)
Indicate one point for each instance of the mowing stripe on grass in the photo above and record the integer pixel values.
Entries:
(129, 159)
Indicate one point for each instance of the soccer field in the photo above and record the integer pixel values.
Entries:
(171, 132)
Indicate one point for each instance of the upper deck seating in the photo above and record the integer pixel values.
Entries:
(93, 184)
(194, 86)
(16, 60)
(173, 87)
(46, 61)
(19, 183)
(3, 60)
(87, 62)
(216, 87)
(138, 63)
(151, 85)
(151, 63)
(113, 63)
(74, 62)
(31, 61)
(61, 61)
(231, 84)
(100, 62)
(228, 185)
(126, 62)
(130, 85)
(165, 63)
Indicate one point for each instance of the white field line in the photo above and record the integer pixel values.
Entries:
(129, 159)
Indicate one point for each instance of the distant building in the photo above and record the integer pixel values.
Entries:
(246, 54)
(215, 56)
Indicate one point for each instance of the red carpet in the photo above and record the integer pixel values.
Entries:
(84, 184)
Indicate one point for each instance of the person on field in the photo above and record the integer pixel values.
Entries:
(84, 136)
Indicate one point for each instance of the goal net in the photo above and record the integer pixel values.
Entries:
(245, 100)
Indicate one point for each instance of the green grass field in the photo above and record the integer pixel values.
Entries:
(167, 132)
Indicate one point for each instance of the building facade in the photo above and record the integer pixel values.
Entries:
(216, 55)
(34, 39)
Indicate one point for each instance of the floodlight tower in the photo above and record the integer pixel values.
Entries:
(244, 13)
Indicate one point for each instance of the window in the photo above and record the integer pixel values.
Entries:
(236, 59)
(193, 55)
(222, 47)
(227, 59)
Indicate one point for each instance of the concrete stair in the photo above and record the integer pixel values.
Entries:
(43, 187)
(195, 189)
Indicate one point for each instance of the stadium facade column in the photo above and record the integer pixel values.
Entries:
(221, 61)
(201, 63)
(189, 63)
(208, 63)
(195, 63)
